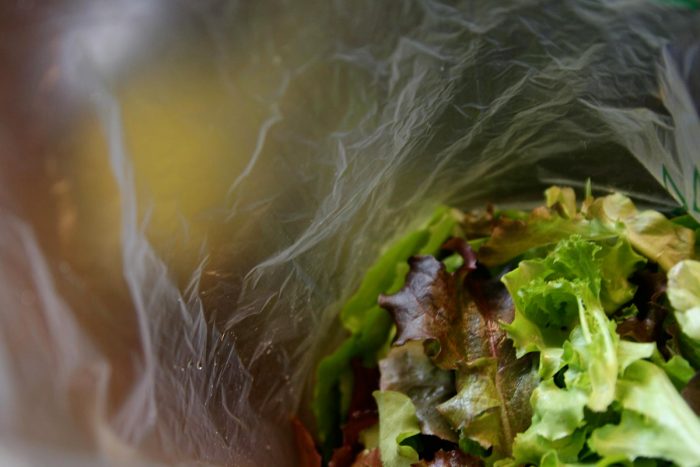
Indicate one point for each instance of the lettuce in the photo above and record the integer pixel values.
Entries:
(579, 289)
(386, 275)
(656, 421)
(684, 294)
(369, 324)
(406, 369)
(560, 313)
(557, 422)
(648, 232)
(558, 300)
(397, 422)
(455, 316)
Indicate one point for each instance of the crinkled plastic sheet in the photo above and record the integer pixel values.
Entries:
(189, 189)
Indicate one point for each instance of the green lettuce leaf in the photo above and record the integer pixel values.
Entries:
(543, 227)
(618, 262)
(326, 403)
(557, 425)
(562, 423)
(650, 233)
(656, 421)
(684, 294)
(557, 300)
(562, 200)
(552, 459)
(688, 347)
(592, 358)
(629, 352)
(406, 369)
(397, 422)
(677, 369)
(559, 312)
(687, 221)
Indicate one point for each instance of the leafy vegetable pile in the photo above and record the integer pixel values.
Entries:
(569, 335)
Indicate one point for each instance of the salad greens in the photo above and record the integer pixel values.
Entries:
(684, 294)
(650, 233)
(400, 423)
(655, 422)
(566, 336)
(408, 370)
(369, 324)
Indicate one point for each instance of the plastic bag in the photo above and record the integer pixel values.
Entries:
(189, 189)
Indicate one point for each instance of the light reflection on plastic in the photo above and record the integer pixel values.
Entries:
(106, 36)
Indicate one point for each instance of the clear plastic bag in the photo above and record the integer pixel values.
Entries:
(190, 189)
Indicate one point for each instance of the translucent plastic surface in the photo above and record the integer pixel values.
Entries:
(188, 189)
